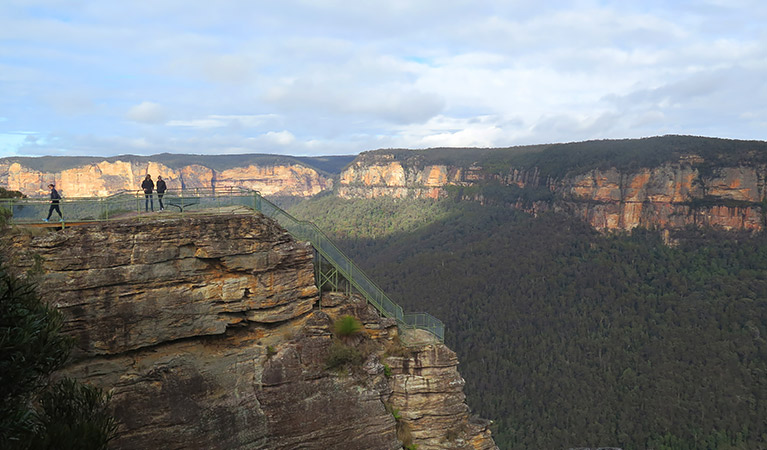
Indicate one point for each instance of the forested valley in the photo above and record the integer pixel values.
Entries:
(572, 338)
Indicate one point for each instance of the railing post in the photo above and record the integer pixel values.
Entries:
(256, 201)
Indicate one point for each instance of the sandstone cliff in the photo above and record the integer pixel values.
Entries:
(102, 178)
(668, 196)
(211, 334)
(671, 195)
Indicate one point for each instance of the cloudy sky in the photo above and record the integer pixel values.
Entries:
(313, 77)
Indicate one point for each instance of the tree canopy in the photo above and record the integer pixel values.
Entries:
(35, 411)
(571, 338)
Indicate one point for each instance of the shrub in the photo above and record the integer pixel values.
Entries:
(5, 216)
(346, 326)
(31, 347)
(67, 415)
(341, 355)
(5, 193)
(397, 348)
(74, 416)
(387, 370)
(404, 434)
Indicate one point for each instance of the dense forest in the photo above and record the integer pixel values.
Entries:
(571, 338)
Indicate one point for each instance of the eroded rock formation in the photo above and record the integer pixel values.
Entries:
(367, 178)
(669, 196)
(672, 195)
(211, 334)
(108, 177)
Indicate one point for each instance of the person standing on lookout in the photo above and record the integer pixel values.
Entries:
(55, 197)
(148, 187)
(161, 188)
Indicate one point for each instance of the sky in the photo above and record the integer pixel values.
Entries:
(332, 77)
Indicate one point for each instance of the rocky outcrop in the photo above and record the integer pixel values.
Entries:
(210, 332)
(672, 195)
(388, 178)
(668, 197)
(108, 177)
(428, 390)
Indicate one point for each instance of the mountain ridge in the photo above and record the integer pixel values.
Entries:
(668, 181)
(664, 182)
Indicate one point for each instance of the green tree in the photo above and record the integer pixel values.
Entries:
(6, 193)
(570, 338)
(32, 413)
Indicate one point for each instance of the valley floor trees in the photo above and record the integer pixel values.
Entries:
(571, 338)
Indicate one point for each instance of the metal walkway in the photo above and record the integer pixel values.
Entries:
(332, 268)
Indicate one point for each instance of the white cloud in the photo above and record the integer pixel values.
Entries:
(314, 76)
(280, 137)
(146, 112)
(10, 143)
(198, 123)
(391, 103)
(238, 121)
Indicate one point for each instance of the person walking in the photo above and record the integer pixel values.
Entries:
(161, 188)
(148, 187)
(55, 198)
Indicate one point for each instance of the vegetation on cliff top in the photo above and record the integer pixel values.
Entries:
(570, 338)
(559, 160)
(554, 160)
(326, 164)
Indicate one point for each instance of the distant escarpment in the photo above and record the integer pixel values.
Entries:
(212, 334)
(89, 177)
(668, 182)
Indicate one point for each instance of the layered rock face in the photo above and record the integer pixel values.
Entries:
(672, 195)
(428, 390)
(388, 178)
(669, 196)
(211, 334)
(106, 178)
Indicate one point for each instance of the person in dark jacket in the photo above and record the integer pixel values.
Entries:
(148, 187)
(161, 188)
(55, 197)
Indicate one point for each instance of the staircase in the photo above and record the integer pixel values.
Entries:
(307, 231)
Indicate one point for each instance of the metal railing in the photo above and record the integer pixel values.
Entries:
(127, 204)
(354, 275)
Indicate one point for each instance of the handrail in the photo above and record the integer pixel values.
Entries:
(122, 204)
(353, 274)
(209, 201)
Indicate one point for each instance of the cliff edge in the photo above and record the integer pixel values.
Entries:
(211, 334)
(612, 185)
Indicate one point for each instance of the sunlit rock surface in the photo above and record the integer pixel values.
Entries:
(670, 196)
(105, 178)
(211, 334)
